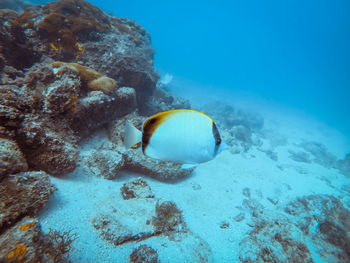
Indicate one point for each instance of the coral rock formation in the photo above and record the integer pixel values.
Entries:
(325, 219)
(27, 244)
(239, 129)
(94, 79)
(11, 158)
(144, 254)
(136, 189)
(23, 194)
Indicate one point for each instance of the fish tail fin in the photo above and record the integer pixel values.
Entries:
(132, 135)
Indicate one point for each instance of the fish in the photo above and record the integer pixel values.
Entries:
(186, 136)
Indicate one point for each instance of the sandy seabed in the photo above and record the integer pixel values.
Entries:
(211, 198)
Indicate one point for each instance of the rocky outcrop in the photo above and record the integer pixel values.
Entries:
(136, 189)
(76, 96)
(139, 217)
(98, 109)
(239, 129)
(319, 154)
(77, 31)
(313, 227)
(21, 195)
(144, 254)
(28, 244)
(49, 145)
(147, 220)
(275, 240)
(325, 219)
(11, 158)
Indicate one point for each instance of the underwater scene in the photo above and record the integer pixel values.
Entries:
(174, 131)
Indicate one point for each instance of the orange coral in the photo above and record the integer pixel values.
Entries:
(80, 50)
(25, 227)
(18, 253)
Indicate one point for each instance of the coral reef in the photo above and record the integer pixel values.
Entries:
(125, 55)
(76, 31)
(98, 109)
(49, 145)
(23, 194)
(105, 162)
(94, 79)
(164, 100)
(144, 254)
(275, 240)
(13, 37)
(147, 220)
(326, 220)
(44, 101)
(62, 242)
(11, 158)
(136, 189)
(168, 218)
(27, 244)
(315, 221)
(239, 129)
(319, 153)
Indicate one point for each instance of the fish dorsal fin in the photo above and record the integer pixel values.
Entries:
(132, 135)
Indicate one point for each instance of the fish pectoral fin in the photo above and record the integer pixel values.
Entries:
(187, 166)
(132, 136)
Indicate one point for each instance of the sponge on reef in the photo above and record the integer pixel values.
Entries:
(95, 80)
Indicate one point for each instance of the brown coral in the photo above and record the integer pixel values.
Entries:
(64, 23)
(16, 50)
(94, 79)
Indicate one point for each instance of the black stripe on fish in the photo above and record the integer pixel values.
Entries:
(216, 137)
(149, 128)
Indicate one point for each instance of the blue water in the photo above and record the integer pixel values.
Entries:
(293, 52)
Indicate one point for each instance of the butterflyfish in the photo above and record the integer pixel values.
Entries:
(186, 136)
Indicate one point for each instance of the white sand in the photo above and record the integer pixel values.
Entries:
(211, 195)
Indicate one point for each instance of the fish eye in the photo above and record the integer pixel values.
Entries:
(218, 141)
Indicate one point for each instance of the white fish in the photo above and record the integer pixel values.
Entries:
(185, 136)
